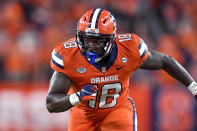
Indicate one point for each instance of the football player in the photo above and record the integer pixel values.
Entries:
(92, 71)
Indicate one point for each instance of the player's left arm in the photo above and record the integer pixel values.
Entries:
(157, 60)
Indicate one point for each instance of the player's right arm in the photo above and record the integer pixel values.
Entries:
(57, 99)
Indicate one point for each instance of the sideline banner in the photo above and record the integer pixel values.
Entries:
(23, 108)
(173, 109)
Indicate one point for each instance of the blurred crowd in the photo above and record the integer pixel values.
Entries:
(30, 29)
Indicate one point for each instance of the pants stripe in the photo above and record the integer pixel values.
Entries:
(135, 122)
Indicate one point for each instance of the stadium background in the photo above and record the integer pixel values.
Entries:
(29, 30)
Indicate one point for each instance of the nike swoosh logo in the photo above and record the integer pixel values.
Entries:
(118, 68)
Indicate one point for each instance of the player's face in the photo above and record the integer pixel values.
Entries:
(94, 45)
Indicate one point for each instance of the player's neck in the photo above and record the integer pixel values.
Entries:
(105, 59)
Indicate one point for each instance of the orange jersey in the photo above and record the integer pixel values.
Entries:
(128, 54)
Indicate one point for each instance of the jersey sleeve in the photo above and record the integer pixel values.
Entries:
(57, 62)
(142, 49)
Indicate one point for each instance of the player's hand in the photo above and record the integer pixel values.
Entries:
(88, 92)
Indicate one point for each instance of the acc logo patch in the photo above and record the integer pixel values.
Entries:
(81, 70)
(124, 60)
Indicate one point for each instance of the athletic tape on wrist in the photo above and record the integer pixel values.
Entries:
(74, 99)
(193, 88)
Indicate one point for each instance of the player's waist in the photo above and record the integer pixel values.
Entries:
(97, 113)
